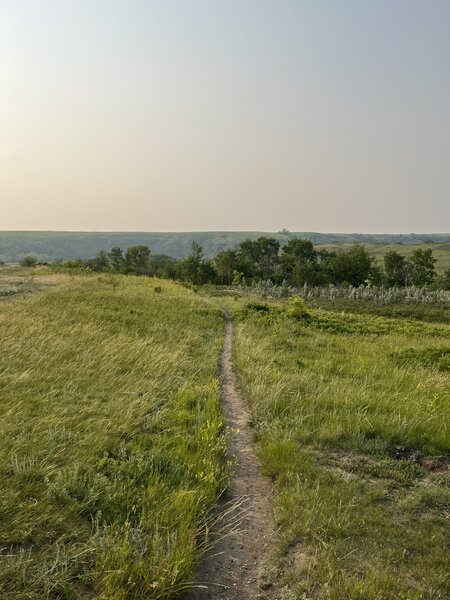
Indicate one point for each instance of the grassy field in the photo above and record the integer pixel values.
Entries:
(432, 312)
(441, 251)
(113, 446)
(112, 440)
(352, 414)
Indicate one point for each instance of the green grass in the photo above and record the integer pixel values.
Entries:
(441, 251)
(112, 441)
(352, 416)
(429, 312)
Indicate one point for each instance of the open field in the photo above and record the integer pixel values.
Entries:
(112, 440)
(441, 251)
(428, 312)
(354, 431)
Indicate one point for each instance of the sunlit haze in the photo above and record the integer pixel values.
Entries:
(233, 115)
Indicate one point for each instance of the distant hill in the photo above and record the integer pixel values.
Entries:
(52, 245)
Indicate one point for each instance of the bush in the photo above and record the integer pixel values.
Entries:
(28, 261)
(257, 307)
(297, 308)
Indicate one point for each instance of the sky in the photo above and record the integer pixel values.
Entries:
(191, 115)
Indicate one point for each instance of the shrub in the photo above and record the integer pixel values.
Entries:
(297, 308)
(28, 261)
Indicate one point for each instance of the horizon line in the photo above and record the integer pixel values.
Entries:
(280, 231)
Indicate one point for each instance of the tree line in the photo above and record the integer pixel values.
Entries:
(297, 263)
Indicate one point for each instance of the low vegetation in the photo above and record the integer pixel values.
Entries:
(410, 303)
(352, 416)
(69, 245)
(297, 264)
(112, 448)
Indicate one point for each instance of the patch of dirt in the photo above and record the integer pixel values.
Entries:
(233, 568)
(427, 462)
(296, 557)
(432, 464)
(15, 286)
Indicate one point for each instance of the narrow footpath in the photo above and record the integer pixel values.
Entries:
(232, 568)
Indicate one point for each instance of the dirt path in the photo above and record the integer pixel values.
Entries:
(232, 568)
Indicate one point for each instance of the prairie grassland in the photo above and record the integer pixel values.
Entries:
(352, 414)
(432, 313)
(408, 303)
(441, 251)
(112, 440)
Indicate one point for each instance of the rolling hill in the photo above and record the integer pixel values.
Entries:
(53, 245)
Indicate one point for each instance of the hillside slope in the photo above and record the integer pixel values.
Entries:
(52, 245)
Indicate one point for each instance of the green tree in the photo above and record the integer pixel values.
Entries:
(137, 260)
(445, 280)
(354, 266)
(100, 262)
(396, 269)
(302, 250)
(259, 259)
(194, 268)
(299, 263)
(422, 262)
(164, 266)
(117, 260)
(225, 263)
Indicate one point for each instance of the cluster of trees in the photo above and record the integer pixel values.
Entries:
(297, 263)
(400, 271)
(136, 260)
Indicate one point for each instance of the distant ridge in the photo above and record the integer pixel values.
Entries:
(51, 245)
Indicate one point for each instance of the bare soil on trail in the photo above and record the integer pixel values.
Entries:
(233, 568)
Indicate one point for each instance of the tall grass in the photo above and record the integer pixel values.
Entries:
(353, 421)
(112, 438)
(365, 293)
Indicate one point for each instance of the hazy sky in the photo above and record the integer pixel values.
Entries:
(163, 115)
